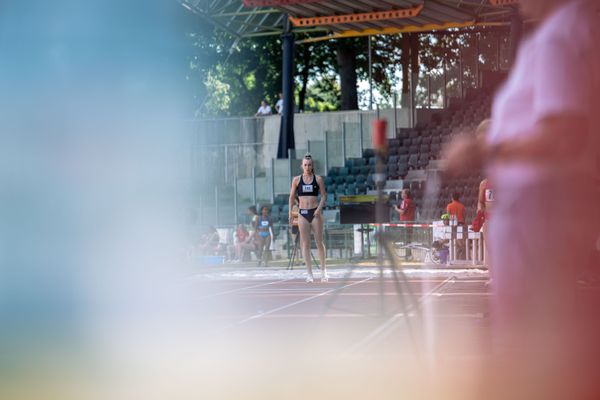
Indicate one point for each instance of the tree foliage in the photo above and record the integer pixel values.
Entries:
(230, 77)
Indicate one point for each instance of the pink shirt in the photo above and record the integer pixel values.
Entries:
(557, 70)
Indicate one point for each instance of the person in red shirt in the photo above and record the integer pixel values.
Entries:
(456, 209)
(407, 211)
(407, 207)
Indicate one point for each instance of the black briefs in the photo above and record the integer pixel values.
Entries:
(309, 214)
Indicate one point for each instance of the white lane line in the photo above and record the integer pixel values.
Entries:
(210, 296)
(258, 294)
(351, 315)
(385, 325)
(295, 303)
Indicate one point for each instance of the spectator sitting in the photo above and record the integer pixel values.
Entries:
(250, 245)
(441, 250)
(264, 109)
(241, 236)
(209, 242)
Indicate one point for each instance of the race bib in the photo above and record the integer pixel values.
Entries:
(489, 195)
(264, 223)
(307, 188)
(304, 212)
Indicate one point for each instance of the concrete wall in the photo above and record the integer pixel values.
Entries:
(252, 142)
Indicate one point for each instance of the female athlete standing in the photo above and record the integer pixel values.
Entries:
(307, 187)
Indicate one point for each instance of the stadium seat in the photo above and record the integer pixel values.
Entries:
(392, 170)
(402, 170)
(393, 197)
(358, 162)
(330, 202)
(403, 150)
(368, 153)
(413, 161)
(351, 190)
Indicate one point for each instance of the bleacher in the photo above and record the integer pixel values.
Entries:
(414, 149)
(410, 158)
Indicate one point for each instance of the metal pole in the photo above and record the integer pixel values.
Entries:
(239, 151)
(254, 185)
(395, 115)
(226, 165)
(217, 205)
(429, 89)
(360, 127)
(290, 165)
(343, 141)
(412, 103)
(460, 72)
(286, 134)
(370, 74)
(326, 151)
(445, 92)
(477, 59)
(272, 180)
(235, 200)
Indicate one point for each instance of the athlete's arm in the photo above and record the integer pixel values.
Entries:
(481, 195)
(291, 199)
(323, 192)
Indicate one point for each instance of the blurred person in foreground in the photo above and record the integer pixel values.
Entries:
(542, 153)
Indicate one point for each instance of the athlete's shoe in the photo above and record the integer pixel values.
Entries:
(324, 277)
(309, 279)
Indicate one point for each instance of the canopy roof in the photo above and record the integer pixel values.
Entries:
(349, 18)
